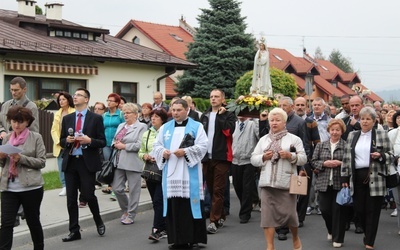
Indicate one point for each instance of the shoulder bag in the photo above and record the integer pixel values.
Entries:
(106, 174)
(150, 170)
(392, 180)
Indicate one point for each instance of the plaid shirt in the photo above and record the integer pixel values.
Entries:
(321, 154)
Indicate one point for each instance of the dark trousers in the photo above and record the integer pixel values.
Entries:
(302, 201)
(244, 185)
(367, 208)
(77, 176)
(333, 214)
(30, 201)
(216, 175)
(155, 190)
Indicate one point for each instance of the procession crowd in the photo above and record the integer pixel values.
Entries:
(185, 159)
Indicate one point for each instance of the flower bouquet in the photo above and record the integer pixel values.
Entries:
(251, 105)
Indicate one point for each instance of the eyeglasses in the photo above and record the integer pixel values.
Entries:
(111, 101)
(128, 113)
(79, 95)
(98, 109)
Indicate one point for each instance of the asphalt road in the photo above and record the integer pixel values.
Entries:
(232, 236)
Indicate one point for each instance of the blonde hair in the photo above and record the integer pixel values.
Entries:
(278, 111)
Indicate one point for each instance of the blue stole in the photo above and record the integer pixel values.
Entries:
(194, 185)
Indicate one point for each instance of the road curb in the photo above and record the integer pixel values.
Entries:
(60, 228)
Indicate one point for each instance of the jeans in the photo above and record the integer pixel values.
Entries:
(60, 172)
(10, 202)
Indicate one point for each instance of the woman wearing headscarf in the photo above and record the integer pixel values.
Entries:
(278, 153)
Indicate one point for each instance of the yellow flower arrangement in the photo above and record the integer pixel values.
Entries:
(252, 102)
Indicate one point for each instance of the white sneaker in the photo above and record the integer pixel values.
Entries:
(394, 213)
(329, 237)
(63, 192)
(337, 245)
(309, 210)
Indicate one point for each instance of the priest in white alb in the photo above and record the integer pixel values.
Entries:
(179, 148)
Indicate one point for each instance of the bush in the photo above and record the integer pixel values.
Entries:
(282, 83)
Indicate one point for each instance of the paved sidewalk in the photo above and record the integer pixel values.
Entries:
(54, 215)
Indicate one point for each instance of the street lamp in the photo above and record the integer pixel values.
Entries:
(309, 78)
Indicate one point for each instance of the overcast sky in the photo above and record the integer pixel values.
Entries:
(365, 31)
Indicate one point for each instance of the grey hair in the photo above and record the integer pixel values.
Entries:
(319, 99)
(368, 111)
(131, 106)
(278, 111)
(287, 98)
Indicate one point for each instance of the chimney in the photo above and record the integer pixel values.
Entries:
(27, 8)
(184, 25)
(54, 11)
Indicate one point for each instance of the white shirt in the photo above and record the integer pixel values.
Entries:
(211, 132)
(363, 150)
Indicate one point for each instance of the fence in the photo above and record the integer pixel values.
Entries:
(45, 122)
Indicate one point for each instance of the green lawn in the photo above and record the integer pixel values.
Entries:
(51, 180)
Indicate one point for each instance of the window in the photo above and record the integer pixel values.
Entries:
(59, 33)
(39, 87)
(67, 33)
(84, 36)
(176, 37)
(76, 35)
(136, 40)
(277, 57)
(127, 90)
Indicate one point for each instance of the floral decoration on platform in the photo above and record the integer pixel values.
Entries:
(253, 103)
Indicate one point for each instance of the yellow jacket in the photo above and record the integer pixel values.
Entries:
(56, 130)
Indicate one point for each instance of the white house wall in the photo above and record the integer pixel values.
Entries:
(102, 84)
(144, 40)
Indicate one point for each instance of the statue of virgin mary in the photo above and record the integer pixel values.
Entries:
(261, 83)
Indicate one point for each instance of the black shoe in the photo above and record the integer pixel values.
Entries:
(282, 237)
(17, 222)
(359, 230)
(180, 246)
(347, 227)
(301, 224)
(101, 229)
(244, 221)
(72, 237)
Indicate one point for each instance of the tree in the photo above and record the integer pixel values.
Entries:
(282, 83)
(318, 54)
(38, 10)
(340, 61)
(221, 49)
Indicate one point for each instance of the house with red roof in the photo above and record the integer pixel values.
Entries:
(328, 80)
(54, 54)
(173, 40)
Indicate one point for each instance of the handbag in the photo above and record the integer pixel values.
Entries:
(150, 170)
(343, 197)
(106, 174)
(298, 184)
(392, 180)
